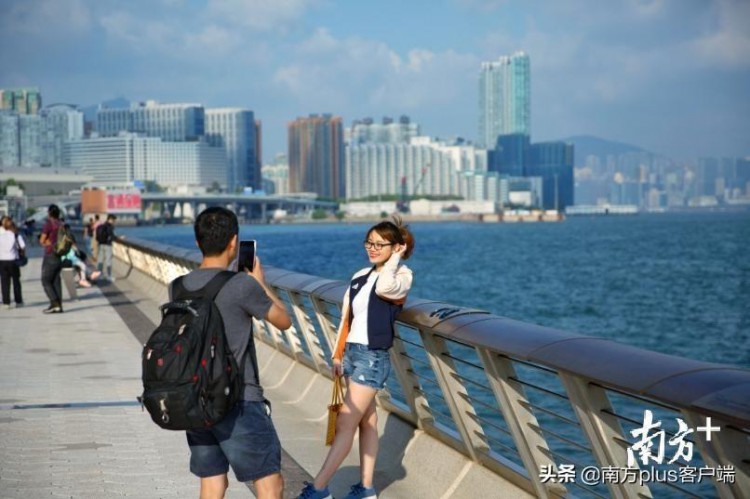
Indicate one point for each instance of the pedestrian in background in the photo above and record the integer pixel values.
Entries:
(94, 246)
(51, 264)
(12, 247)
(105, 235)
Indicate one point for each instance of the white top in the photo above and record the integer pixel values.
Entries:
(393, 283)
(358, 327)
(8, 245)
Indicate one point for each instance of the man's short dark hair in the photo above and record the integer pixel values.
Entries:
(54, 211)
(111, 217)
(214, 229)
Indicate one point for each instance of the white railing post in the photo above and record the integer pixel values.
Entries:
(409, 383)
(455, 394)
(727, 445)
(603, 431)
(522, 423)
(307, 331)
(328, 327)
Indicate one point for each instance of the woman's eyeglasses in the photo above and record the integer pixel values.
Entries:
(377, 246)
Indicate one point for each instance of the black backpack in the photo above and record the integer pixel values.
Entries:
(190, 376)
(103, 235)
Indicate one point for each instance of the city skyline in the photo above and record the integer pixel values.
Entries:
(671, 77)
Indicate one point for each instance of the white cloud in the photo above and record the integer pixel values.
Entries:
(173, 39)
(482, 5)
(260, 15)
(46, 18)
(139, 34)
(366, 76)
(212, 40)
(729, 46)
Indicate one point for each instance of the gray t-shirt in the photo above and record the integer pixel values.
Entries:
(241, 299)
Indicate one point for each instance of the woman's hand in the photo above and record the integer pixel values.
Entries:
(399, 250)
(338, 368)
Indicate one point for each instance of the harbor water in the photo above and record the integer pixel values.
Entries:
(678, 284)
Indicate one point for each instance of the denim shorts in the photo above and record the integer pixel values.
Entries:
(245, 439)
(366, 367)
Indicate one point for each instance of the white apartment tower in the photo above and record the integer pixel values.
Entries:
(504, 98)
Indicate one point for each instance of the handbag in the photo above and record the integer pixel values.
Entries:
(337, 401)
(22, 259)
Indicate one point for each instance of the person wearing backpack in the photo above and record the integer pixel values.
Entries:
(105, 234)
(51, 263)
(245, 438)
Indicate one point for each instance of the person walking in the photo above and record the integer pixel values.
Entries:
(51, 263)
(88, 235)
(12, 246)
(105, 235)
(246, 438)
(93, 245)
(375, 296)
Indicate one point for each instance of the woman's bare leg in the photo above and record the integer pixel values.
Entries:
(368, 444)
(357, 401)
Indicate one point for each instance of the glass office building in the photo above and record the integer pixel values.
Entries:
(235, 131)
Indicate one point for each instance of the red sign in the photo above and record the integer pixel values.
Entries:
(123, 202)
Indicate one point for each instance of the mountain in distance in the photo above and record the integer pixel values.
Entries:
(588, 145)
(89, 112)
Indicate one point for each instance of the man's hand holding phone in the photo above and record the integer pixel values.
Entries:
(246, 258)
(257, 271)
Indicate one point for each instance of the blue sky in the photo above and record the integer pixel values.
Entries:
(672, 76)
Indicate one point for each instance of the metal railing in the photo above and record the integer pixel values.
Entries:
(525, 401)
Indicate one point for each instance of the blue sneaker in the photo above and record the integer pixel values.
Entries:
(359, 491)
(310, 492)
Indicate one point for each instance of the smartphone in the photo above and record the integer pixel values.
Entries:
(246, 259)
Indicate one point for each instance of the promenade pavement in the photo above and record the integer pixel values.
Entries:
(70, 425)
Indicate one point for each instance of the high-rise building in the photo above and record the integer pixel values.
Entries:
(170, 122)
(511, 154)
(504, 98)
(30, 140)
(276, 176)
(422, 166)
(316, 155)
(24, 100)
(9, 147)
(234, 130)
(60, 123)
(366, 131)
(553, 162)
(131, 157)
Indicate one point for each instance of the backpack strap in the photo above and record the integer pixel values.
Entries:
(209, 291)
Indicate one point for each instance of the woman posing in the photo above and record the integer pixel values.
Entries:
(375, 296)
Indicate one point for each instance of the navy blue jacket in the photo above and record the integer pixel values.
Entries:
(381, 314)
